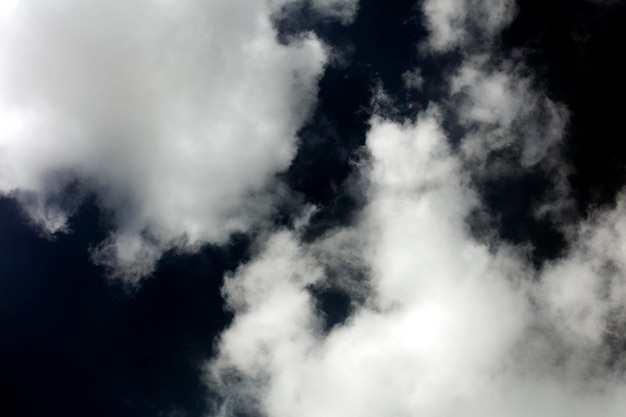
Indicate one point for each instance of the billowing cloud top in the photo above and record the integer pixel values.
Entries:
(177, 114)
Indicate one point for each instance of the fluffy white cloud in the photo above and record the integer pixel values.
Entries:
(444, 325)
(586, 290)
(458, 23)
(500, 108)
(176, 113)
(431, 286)
(449, 327)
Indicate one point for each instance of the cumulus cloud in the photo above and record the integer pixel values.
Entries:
(500, 108)
(176, 114)
(449, 326)
(459, 23)
(446, 325)
(586, 290)
(416, 313)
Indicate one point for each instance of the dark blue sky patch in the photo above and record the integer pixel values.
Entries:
(334, 305)
(75, 343)
(511, 202)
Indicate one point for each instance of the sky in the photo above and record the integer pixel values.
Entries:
(277, 208)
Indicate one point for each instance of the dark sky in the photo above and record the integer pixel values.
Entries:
(75, 342)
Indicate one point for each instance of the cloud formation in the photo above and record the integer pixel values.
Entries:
(500, 108)
(450, 326)
(431, 286)
(176, 114)
(462, 23)
(179, 115)
(445, 324)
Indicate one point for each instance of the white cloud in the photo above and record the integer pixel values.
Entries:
(449, 327)
(417, 343)
(586, 290)
(177, 114)
(500, 108)
(458, 23)
(445, 325)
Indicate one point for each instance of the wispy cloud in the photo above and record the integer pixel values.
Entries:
(455, 24)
